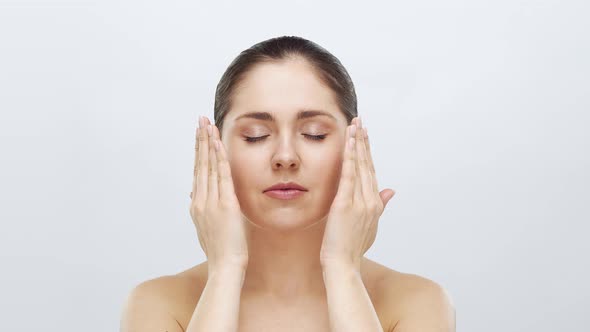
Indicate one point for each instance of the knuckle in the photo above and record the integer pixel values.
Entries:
(357, 210)
(211, 207)
(198, 209)
(372, 207)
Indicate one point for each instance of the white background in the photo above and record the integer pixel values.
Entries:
(478, 112)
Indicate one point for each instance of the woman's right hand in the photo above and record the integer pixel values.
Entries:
(214, 207)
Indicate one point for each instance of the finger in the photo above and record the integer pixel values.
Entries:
(203, 166)
(365, 167)
(358, 186)
(226, 184)
(370, 160)
(348, 173)
(213, 192)
(195, 165)
(386, 195)
(363, 164)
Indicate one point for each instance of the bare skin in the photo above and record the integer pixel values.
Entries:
(283, 287)
(387, 288)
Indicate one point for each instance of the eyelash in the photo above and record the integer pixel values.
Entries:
(311, 137)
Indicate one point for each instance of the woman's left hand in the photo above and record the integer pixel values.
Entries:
(351, 225)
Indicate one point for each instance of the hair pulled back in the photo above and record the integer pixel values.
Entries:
(326, 66)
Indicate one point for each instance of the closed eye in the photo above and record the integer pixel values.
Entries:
(255, 139)
(315, 137)
(260, 138)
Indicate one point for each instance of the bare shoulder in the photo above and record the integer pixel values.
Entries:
(415, 303)
(163, 302)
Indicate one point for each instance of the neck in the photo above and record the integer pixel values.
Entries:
(284, 264)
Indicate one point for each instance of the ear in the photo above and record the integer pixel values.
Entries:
(386, 195)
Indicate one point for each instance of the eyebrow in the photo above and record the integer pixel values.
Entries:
(303, 114)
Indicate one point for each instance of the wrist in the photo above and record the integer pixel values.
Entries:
(340, 265)
(225, 269)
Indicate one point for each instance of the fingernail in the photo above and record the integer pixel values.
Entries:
(210, 130)
(360, 122)
(201, 121)
(352, 130)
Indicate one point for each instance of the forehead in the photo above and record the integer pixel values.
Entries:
(283, 89)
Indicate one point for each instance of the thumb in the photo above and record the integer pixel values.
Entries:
(386, 195)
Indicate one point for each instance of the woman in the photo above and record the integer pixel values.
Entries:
(285, 203)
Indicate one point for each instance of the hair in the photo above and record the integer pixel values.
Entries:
(326, 66)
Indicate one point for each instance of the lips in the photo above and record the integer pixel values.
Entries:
(285, 194)
(287, 186)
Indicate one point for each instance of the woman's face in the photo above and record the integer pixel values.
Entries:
(307, 150)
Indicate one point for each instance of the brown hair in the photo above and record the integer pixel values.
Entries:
(327, 66)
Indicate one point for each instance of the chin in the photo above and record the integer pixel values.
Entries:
(283, 219)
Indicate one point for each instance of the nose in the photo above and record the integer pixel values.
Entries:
(285, 157)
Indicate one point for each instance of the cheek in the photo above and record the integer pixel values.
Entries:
(329, 166)
(242, 166)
